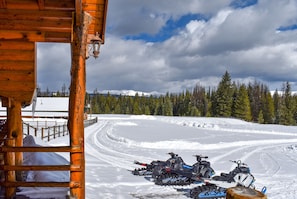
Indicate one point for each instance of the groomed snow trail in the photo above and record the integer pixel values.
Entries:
(115, 142)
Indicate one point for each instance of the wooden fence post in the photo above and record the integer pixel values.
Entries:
(42, 136)
(15, 137)
(48, 134)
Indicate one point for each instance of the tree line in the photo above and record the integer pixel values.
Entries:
(253, 102)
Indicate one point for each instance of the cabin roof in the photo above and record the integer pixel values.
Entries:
(48, 20)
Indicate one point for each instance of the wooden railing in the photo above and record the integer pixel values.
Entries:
(69, 167)
(89, 122)
(52, 132)
(27, 129)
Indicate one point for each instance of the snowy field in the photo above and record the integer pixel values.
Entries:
(112, 144)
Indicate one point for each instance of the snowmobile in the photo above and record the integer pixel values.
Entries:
(216, 186)
(153, 169)
(183, 174)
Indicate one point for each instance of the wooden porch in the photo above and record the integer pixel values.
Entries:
(22, 24)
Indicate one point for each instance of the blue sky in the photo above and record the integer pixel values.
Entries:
(288, 28)
(170, 29)
(160, 46)
(243, 3)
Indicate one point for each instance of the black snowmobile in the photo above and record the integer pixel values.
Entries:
(216, 186)
(183, 174)
(155, 167)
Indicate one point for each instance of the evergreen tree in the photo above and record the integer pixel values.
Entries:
(260, 117)
(147, 110)
(167, 106)
(223, 97)
(194, 112)
(254, 92)
(276, 103)
(117, 109)
(287, 106)
(199, 100)
(267, 106)
(295, 109)
(136, 108)
(242, 108)
(107, 109)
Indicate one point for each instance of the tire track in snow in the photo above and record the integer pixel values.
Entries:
(249, 151)
(270, 164)
(107, 150)
(96, 149)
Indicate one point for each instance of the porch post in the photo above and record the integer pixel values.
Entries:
(76, 105)
(15, 138)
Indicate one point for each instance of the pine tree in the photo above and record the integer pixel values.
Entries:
(223, 97)
(267, 106)
(276, 103)
(199, 100)
(194, 112)
(136, 108)
(254, 92)
(260, 117)
(167, 106)
(287, 106)
(242, 108)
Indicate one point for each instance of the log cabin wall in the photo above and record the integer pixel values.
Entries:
(18, 70)
(22, 24)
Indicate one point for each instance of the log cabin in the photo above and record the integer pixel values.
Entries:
(23, 23)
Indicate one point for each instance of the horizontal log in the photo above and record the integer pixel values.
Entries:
(68, 5)
(36, 36)
(40, 184)
(21, 86)
(27, 5)
(93, 2)
(16, 45)
(35, 168)
(41, 149)
(17, 55)
(18, 76)
(40, 25)
(35, 15)
(58, 39)
(24, 97)
(22, 35)
(17, 65)
(49, 5)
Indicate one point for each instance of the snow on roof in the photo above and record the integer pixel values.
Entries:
(50, 104)
(45, 106)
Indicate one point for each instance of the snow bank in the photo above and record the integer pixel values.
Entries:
(40, 158)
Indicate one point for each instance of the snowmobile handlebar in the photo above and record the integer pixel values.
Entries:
(201, 156)
(140, 163)
(238, 162)
(173, 154)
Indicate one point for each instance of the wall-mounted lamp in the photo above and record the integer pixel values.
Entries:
(94, 42)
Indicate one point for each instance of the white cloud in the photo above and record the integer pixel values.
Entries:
(243, 41)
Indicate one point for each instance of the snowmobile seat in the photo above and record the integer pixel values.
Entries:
(225, 174)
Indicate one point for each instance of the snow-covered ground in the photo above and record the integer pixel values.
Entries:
(112, 144)
(117, 140)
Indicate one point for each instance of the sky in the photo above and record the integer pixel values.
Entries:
(171, 46)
